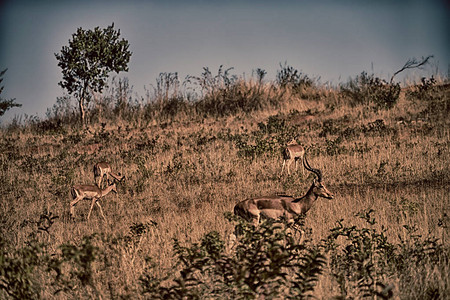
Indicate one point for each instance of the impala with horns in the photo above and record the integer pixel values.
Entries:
(102, 169)
(93, 192)
(283, 206)
(292, 152)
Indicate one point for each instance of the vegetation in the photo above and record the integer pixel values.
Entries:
(190, 151)
(6, 104)
(368, 89)
(88, 59)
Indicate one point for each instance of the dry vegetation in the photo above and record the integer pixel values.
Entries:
(188, 162)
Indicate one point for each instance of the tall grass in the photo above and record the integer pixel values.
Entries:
(189, 159)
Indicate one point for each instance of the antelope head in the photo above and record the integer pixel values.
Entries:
(317, 187)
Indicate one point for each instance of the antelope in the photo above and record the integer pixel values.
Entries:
(103, 168)
(80, 192)
(292, 152)
(288, 207)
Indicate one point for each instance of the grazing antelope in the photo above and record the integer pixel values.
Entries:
(292, 152)
(103, 168)
(80, 192)
(288, 207)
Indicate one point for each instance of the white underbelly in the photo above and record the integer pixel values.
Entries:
(275, 214)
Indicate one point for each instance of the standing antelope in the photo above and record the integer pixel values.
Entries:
(288, 207)
(80, 192)
(292, 152)
(103, 168)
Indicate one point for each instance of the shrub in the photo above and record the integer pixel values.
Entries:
(17, 269)
(290, 78)
(269, 139)
(367, 89)
(225, 94)
(434, 96)
(266, 262)
(62, 110)
(23, 269)
(364, 260)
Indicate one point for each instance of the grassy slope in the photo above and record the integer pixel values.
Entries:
(185, 175)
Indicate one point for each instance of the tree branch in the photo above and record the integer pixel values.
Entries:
(411, 64)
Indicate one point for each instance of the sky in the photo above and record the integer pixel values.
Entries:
(330, 40)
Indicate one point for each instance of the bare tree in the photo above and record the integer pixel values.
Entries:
(413, 63)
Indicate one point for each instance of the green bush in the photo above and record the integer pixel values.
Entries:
(367, 89)
(264, 262)
(18, 267)
(269, 139)
(363, 264)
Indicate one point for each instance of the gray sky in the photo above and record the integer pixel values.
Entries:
(332, 40)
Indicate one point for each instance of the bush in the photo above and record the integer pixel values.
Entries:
(17, 269)
(266, 262)
(364, 262)
(434, 96)
(367, 89)
(290, 78)
(269, 139)
(225, 94)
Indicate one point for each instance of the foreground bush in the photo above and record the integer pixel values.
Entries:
(269, 262)
(266, 261)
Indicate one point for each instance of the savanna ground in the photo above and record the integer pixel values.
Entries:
(188, 162)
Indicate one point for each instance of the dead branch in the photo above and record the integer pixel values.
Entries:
(413, 63)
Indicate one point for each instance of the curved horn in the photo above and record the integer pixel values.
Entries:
(309, 168)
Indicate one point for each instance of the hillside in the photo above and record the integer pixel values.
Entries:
(188, 163)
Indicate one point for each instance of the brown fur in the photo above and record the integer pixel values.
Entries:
(292, 152)
(102, 169)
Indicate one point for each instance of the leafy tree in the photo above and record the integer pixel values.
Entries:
(88, 59)
(4, 103)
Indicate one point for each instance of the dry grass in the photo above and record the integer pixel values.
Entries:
(184, 175)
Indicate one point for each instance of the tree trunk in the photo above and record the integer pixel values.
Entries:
(81, 104)
(82, 112)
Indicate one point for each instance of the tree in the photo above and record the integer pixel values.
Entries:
(4, 103)
(89, 58)
(413, 63)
